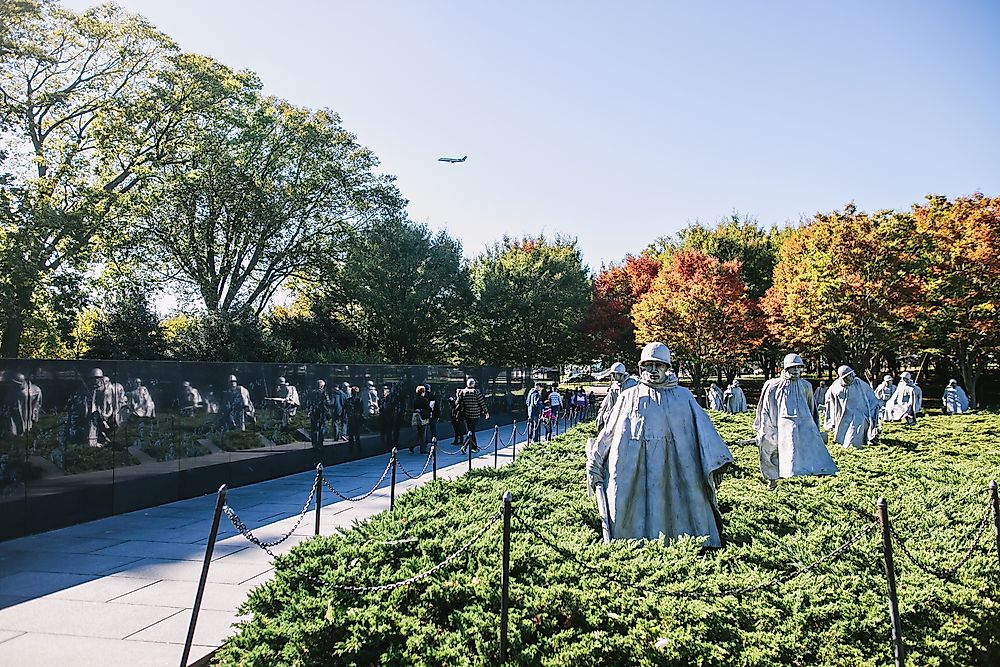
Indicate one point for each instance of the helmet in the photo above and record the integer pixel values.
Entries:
(371, 383)
(18, 378)
(905, 375)
(791, 360)
(619, 367)
(655, 352)
(952, 382)
(96, 373)
(736, 382)
(470, 382)
(345, 385)
(844, 371)
(282, 380)
(888, 378)
(232, 378)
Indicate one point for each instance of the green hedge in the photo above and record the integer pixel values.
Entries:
(934, 476)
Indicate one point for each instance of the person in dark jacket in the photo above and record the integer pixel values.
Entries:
(389, 407)
(473, 409)
(535, 404)
(354, 411)
(318, 408)
(455, 413)
(435, 404)
(421, 418)
(337, 399)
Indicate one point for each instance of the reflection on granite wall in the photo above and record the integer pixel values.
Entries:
(68, 422)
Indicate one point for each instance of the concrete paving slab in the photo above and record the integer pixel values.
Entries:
(213, 627)
(57, 542)
(11, 600)
(41, 561)
(45, 650)
(104, 589)
(33, 584)
(182, 570)
(167, 551)
(82, 619)
(218, 597)
(8, 634)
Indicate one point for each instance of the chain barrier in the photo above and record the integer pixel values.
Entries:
(735, 592)
(427, 464)
(946, 574)
(355, 499)
(490, 522)
(234, 518)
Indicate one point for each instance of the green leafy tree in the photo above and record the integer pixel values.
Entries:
(401, 290)
(263, 192)
(531, 295)
(125, 326)
(90, 105)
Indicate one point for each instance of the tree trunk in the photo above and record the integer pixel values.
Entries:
(10, 346)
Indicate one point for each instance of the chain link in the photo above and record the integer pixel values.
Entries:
(736, 592)
(950, 572)
(490, 522)
(427, 464)
(366, 495)
(234, 518)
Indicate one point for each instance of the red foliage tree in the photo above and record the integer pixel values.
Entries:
(610, 334)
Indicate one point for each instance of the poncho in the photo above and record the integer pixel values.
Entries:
(714, 398)
(955, 400)
(787, 427)
(734, 400)
(655, 457)
(851, 413)
(905, 402)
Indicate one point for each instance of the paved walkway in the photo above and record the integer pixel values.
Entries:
(119, 591)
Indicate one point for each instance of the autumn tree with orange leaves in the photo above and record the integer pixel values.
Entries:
(844, 287)
(960, 311)
(608, 321)
(699, 307)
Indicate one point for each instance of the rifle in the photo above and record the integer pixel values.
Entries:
(602, 509)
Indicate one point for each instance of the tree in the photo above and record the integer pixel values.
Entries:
(736, 238)
(403, 290)
(608, 320)
(89, 105)
(844, 286)
(960, 306)
(531, 294)
(124, 326)
(263, 192)
(698, 306)
(313, 332)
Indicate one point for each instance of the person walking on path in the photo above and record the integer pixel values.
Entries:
(421, 418)
(533, 401)
(555, 402)
(473, 409)
(455, 414)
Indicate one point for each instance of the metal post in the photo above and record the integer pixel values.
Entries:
(319, 493)
(505, 577)
(434, 457)
(469, 450)
(513, 442)
(890, 578)
(996, 513)
(209, 548)
(392, 481)
(496, 445)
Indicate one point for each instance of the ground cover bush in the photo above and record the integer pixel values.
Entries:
(934, 477)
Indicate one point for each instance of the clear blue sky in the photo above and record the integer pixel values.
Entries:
(622, 122)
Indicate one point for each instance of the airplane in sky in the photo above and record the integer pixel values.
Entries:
(452, 159)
